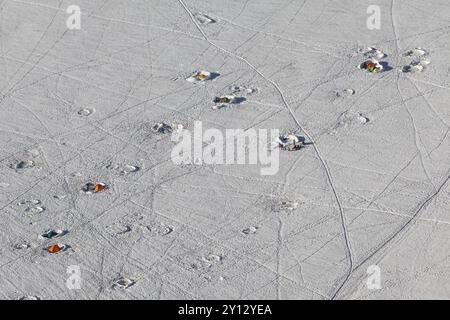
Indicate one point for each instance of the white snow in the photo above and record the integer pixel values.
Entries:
(99, 104)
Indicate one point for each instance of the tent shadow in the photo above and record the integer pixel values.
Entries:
(386, 66)
(213, 75)
(239, 100)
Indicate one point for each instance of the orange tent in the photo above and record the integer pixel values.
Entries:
(54, 248)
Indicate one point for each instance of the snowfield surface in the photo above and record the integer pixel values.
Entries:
(370, 189)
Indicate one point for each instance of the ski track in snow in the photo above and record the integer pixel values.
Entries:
(78, 107)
